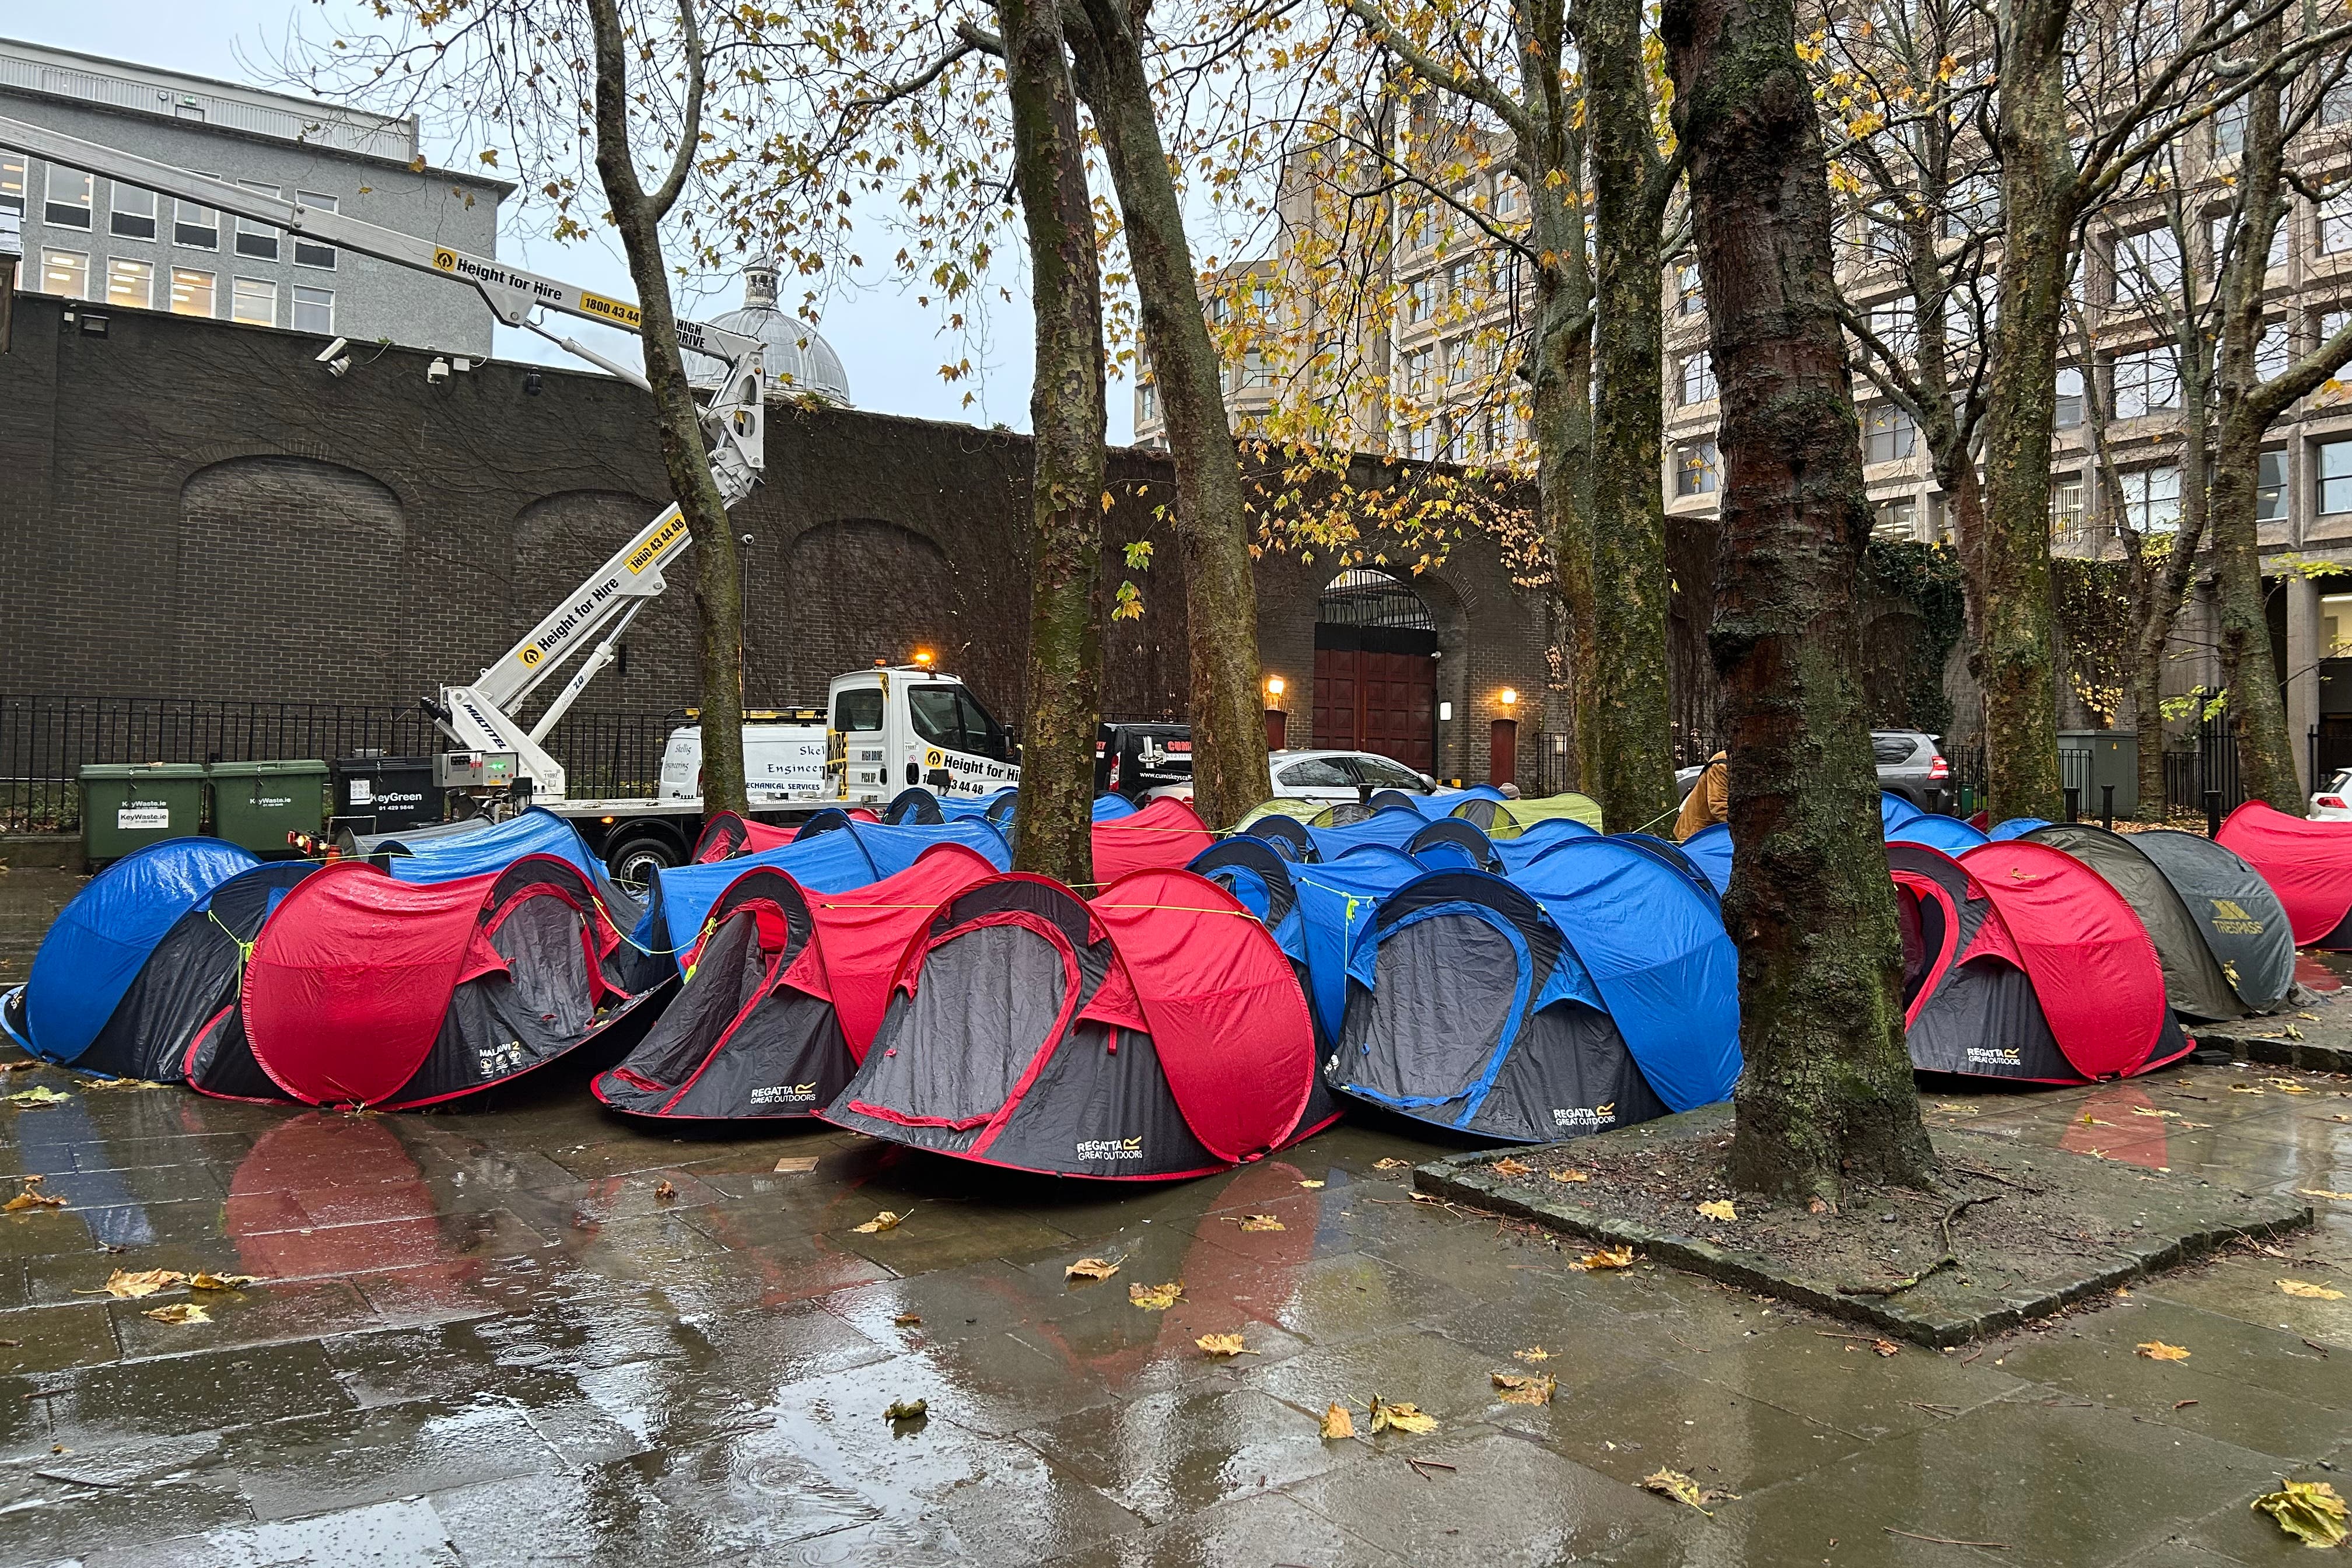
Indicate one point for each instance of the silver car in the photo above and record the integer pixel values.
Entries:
(1342, 775)
(1908, 764)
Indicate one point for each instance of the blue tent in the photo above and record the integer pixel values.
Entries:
(1450, 841)
(1948, 833)
(850, 854)
(2016, 827)
(1315, 909)
(1523, 848)
(1894, 811)
(1111, 807)
(1657, 947)
(493, 848)
(102, 938)
(1672, 856)
(1393, 826)
(1290, 839)
(1709, 849)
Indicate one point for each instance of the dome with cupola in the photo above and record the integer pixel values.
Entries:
(799, 361)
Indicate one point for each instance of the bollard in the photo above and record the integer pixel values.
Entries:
(2108, 807)
(2213, 814)
(2074, 802)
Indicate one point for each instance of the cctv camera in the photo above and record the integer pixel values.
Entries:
(437, 372)
(339, 367)
(327, 355)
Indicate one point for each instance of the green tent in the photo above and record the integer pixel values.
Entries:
(1510, 818)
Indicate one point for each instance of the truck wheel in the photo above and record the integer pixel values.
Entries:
(634, 860)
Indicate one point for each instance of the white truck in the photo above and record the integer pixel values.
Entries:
(882, 730)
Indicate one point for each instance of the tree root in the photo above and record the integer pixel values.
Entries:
(1950, 1260)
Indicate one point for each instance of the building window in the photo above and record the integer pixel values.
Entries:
(2270, 488)
(1254, 371)
(1461, 365)
(2065, 508)
(1147, 403)
(1971, 203)
(314, 310)
(1421, 441)
(196, 228)
(2070, 397)
(1695, 463)
(2335, 105)
(192, 292)
(68, 203)
(1508, 201)
(65, 272)
(1963, 312)
(254, 302)
(2230, 128)
(2223, 228)
(2146, 383)
(12, 183)
(133, 214)
(1689, 298)
(309, 252)
(131, 283)
(2335, 223)
(2332, 323)
(1420, 299)
(1897, 324)
(2270, 352)
(2146, 264)
(1897, 518)
(1416, 372)
(258, 241)
(2151, 499)
(2335, 476)
(1887, 435)
(1697, 380)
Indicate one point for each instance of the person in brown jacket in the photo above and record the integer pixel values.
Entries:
(1709, 801)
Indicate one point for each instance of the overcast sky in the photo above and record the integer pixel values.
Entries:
(890, 345)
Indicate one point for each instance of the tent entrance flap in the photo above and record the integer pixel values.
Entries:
(1453, 985)
(988, 1000)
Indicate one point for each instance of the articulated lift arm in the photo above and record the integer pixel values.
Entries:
(481, 717)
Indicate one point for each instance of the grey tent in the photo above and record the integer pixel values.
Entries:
(2195, 985)
(2238, 915)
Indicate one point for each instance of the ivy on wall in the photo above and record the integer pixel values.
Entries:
(2093, 607)
(1925, 581)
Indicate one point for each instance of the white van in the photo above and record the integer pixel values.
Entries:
(889, 727)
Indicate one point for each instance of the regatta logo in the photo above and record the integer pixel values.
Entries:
(1988, 1055)
(1585, 1118)
(785, 1094)
(1110, 1149)
(2231, 919)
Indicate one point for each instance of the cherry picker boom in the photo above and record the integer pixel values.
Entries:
(482, 717)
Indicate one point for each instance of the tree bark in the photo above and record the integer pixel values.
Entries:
(2037, 209)
(1826, 1096)
(1628, 761)
(1230, 771)
(637, 214)
(1053, 830)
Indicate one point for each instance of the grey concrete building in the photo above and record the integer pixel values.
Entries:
(90, 238)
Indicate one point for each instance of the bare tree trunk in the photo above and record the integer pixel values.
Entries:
(1053, 830)
(1629, 766)
(1230, 772)
(638, 214)
(2038, 196)
(1826, 1096)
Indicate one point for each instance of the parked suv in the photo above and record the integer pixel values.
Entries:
(1908, 765)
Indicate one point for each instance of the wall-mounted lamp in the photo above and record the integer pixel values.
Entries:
(1274, 686)
(1508, 698)
(1445, 712)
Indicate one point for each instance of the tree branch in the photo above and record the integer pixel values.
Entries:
(1460, 83)
(690, 137)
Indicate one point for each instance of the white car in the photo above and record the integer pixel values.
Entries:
(2332, 801)
(1342, 775)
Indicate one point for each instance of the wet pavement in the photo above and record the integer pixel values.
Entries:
(491, 1337)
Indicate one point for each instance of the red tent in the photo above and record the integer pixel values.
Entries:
(365, 990)
(2021, 963)
(728, 834)
(1165, 833)
(2307, 864)
(1155, 1032)
(783, 993)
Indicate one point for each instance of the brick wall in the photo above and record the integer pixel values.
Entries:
(196, 509)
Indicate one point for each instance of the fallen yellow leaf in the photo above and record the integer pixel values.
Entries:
(1262, 1222)
(123, 1083)
(1423, 1197)
(2308, 1511)
(39, 1097)
(665, 1192)
(1511, 1166)
(127, 1286)
(31, 1200)
(219, 1281)
(1310, 1186)
(2157, 1349)
(1390, 1164)
(1156, 1298)
(1677, 1486)
(908, 1410)
(1950, 1109)
(1521, 1389)
(1535, 1354)
(1607, 1257)
(2148, 1110)
(1571, 1175)
(907, 1320)
(1400, 1417)
(881, 1222)
(2243, 1089)
(795, 1164)
(1885, 1347)
(1223, 1344)
(2288, 1085)
(1337, 1422)
(1091, 1268)
(179, 1312)
(2309, 1292)
(2324, 1192)
(1719, 1209)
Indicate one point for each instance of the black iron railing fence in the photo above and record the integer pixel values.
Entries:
(46, 740)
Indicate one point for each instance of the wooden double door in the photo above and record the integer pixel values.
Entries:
(1374, 700)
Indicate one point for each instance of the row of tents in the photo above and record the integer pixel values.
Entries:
(1214, 999)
